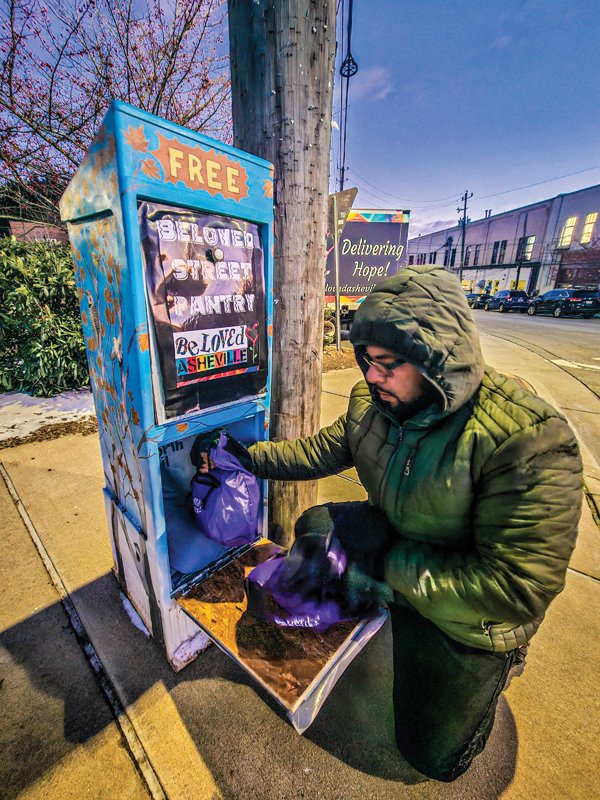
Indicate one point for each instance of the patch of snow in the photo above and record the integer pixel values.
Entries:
(188, 650)
(133, 615)
(22, 414)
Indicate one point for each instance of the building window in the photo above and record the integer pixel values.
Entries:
(502, 252)
(525, 248)
(432, 257)
(411, 260)
(467, 255)
(567, 232)
(476, 255)
(495, 252)
(588, 227)
(446, 257)
(453, 257)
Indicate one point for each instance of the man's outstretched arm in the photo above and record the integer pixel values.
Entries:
(325, 453)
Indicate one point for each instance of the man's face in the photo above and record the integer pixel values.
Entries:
(402, 389)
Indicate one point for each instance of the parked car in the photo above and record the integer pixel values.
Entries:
(477, 300)
(508, 300)
(565, 302)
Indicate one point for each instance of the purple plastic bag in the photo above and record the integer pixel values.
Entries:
(226, 499)
(286, 591)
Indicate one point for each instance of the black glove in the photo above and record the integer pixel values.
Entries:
(364, 534)
(361, 591)
(205, 442)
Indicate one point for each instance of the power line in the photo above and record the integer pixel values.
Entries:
(396, 198)
(403, 199)
(398, 203)
(363, 189)
(548, 180)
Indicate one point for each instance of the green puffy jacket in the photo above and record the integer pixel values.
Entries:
(483, 490)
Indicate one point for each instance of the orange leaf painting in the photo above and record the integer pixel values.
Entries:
(135, 417)
(143, 342)
(150, 168)
(270, 330)
(268, 189)
(135, 138)
(91, 344)
(183, 426)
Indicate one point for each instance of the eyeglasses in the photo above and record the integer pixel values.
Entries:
(382, 369)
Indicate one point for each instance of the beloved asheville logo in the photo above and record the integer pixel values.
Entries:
(213, 348)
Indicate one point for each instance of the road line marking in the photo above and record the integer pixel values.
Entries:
(560, 362)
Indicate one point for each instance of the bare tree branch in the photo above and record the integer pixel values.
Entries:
(63, 61)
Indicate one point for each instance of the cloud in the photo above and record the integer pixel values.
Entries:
(372, 83)
(421, 228)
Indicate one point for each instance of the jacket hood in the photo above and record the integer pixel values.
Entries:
(422, 314)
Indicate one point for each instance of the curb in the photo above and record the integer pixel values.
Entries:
(133, 744)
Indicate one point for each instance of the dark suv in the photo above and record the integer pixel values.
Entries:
(477, 300)
(508, 300)
(566, 302)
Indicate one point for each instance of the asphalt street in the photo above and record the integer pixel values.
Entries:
(570, 344)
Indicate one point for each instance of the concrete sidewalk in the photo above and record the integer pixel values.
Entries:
(209, 732)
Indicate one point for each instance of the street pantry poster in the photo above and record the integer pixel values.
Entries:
(205, 284)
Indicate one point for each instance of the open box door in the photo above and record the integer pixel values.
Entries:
(297, 666)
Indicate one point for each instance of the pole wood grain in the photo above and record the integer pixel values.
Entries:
(282, 60)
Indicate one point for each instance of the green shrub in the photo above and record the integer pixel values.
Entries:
(42, 351)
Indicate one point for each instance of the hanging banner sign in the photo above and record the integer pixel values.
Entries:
(205, 282)
(372, 247)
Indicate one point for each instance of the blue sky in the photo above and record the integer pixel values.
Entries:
(486, 96)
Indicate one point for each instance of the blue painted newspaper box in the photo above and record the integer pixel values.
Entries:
(172, 240)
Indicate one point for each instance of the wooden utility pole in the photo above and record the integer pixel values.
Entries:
(282, 60)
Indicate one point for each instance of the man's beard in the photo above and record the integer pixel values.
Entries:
(402, 409)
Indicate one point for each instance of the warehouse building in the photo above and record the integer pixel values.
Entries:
(554, 243)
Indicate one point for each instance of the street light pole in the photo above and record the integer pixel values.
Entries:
(466, 196)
